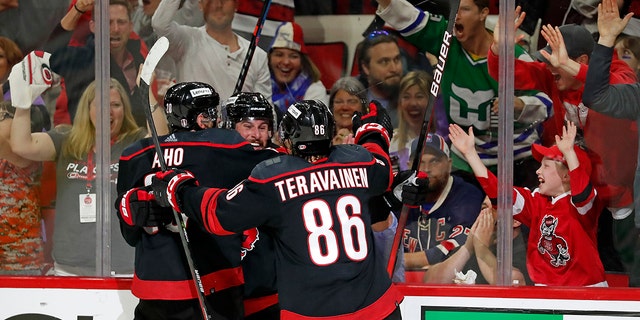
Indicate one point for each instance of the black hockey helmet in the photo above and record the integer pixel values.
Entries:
(246, 106)
(309, 126)
(186, 100)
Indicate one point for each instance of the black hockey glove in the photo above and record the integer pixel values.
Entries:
(166, 184)
(415, 189)
(407, 189)
(374, 126)
(138, 208)
(393, 198)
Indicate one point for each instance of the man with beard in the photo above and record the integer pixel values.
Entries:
(252, 116)
(381, 70)
(446, 213)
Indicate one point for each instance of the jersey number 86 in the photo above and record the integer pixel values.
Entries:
(322, 239)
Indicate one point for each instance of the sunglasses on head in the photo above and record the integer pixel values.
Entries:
(377, 33)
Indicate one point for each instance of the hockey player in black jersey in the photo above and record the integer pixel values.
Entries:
(251, 115)
(314, 203)
(221, 158)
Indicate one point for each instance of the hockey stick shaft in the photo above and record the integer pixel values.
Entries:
(154, 56)
(426, 124)
(252, 47)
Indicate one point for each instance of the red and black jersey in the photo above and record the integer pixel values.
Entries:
(318, 216)
(562, 249)
(219, 158)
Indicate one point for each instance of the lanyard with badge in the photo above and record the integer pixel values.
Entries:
(88, 201)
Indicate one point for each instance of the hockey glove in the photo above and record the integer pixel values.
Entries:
(166, 184)
(30, 78)
(393, 198)
(374, 126)
(138, 208)
(415, 190)
(412, 188)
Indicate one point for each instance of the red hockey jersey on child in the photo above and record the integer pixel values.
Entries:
(562, 248)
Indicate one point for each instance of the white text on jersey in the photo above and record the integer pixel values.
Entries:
(172, 156)
(325, 180)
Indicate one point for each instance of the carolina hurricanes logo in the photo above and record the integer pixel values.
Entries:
(47, 75)
(249, 239)
(45, 70)
(551, 244)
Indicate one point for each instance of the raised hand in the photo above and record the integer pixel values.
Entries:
(495, 46)
(558, 56)
(610, 25)
(566, 142)
(29, 78)
(376, 124)
(463, 141)
(377, 114)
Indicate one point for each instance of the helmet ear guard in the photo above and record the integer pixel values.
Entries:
(309, 126)
(184, 101)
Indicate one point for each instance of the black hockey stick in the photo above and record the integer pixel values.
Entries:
(154, 56)
(252, 47)
(426, 125)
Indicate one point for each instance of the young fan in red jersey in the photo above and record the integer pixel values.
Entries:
(562, 213)
(315, 204)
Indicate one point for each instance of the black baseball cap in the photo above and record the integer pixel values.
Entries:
(577, 39)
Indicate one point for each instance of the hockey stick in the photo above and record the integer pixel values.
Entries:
(426, 124)
(252, 47)
(154, 56)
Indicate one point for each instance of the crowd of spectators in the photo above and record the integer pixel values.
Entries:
(450, 226)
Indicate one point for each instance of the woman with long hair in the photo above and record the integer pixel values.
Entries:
(73, 148)
(412, 104)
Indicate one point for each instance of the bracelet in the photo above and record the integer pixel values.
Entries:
(75, 5)
(154, 107)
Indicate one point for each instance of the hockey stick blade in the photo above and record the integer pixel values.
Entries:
(426, 123)
(155, 54)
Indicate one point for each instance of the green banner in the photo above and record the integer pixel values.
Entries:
(461, 315)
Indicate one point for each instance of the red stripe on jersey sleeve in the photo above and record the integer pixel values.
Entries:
(208, 211)
(489, 184)
(377, 152)
(449, 245)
